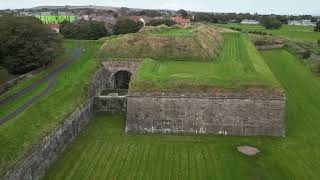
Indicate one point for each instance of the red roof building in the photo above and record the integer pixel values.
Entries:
(54, 27)
(181, 21)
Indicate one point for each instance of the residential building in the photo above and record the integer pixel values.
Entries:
(181, 21)
(302, 23)
(249, 21)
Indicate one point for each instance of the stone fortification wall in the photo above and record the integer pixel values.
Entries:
(228, 115)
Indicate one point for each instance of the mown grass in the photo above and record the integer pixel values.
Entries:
(6, 109)
(238, 66)
(104, 151)
(21, 133)
(289, 31)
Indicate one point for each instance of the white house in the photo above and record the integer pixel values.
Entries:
(301, 23)
(249, 21)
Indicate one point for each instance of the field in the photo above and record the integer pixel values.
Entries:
(239, 65)
(288, 31)
(56, 19)
(104, 151)
(20, 134)
(199, 43)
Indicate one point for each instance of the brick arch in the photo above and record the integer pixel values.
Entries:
(121, 79)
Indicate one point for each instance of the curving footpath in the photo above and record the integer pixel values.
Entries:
(51, 77)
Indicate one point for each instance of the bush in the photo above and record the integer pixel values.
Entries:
(158, 22)
(319, 42)
(305, 54)
(91, 30)
(125, 25)
(26, 44)
(317, 27)
(271, 23)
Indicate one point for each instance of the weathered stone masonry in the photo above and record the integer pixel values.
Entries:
(244, 116)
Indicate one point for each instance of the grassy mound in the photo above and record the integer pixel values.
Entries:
(238, 66)
(201, 43)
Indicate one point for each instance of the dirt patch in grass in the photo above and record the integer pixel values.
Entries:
(248, 150)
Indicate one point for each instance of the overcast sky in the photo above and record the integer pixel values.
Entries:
(252, 6)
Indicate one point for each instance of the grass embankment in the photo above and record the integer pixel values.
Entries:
(200, 43)
(238, 66)
(104, 151)
(21, 133)
(289, 31)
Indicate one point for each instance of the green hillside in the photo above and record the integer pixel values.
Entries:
(199, 43)
(239, 65)
(56, 19)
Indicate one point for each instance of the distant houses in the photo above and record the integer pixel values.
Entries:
(181, 21)
(249, 21)
(302, 23)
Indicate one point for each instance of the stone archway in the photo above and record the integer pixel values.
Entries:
(121, 80)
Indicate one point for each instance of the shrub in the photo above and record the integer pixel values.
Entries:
(271, 23)
(91, 30)
(157, 22)
(26, 44)
(319, 42)
(125, 25)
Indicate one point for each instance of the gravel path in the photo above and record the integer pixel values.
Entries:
(51, 77)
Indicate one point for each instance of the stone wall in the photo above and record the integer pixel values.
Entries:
(111, 104)
(114, 66)
(35, 164)
(266, 47)
(245, 116)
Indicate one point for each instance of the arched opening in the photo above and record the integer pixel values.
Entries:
(121, 80)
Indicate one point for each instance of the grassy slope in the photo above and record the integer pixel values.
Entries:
(200, 43)
(239, 65)
(18, 135)
(104, 151)
(292, 32)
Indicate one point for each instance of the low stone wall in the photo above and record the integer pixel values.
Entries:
(111, 104)
(266, 47)
(244, 116)
(43, 155)
(35, 163)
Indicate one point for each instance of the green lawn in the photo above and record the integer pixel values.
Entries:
(104, 151)
(21, 133)
(56, 19)
(291, 32)
(239, 65)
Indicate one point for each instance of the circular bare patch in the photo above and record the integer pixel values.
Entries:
(247, 150)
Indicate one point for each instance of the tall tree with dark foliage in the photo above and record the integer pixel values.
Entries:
(89, 30)
(124, 26)
(26, 44)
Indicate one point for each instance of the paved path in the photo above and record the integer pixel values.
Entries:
(51, 77)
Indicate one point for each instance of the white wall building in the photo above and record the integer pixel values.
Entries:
(249, 21)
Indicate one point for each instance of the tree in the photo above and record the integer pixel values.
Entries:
(271, 23)
(183, 13)
(90, 30)
(317, 27)
(125, 25)
(26, 44)
(157, 22)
